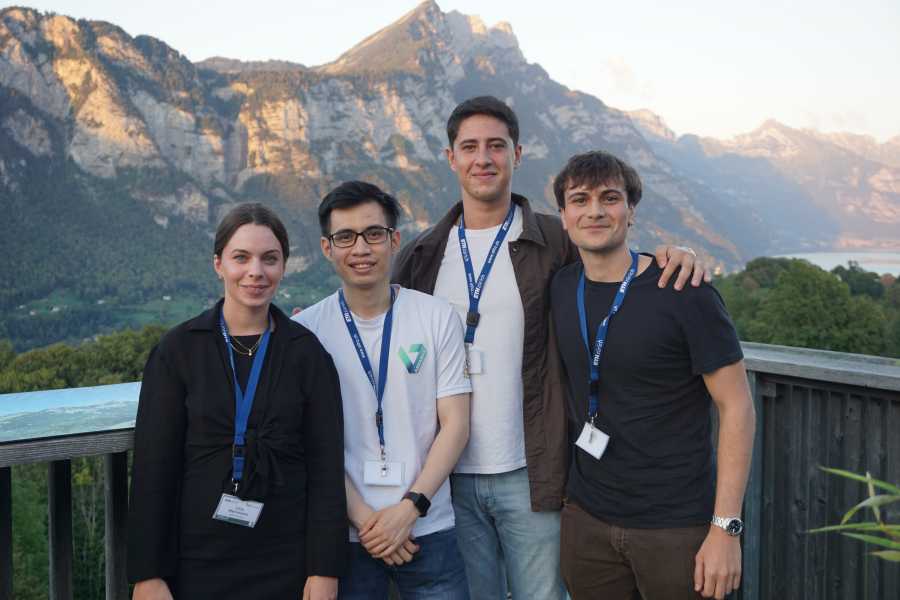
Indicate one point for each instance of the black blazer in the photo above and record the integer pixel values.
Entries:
(182, 454)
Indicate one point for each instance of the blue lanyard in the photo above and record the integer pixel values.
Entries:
(243, 400)
(477, 286)
(594, 394)
(383, 361)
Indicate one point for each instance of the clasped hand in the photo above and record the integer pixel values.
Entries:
(386, 533)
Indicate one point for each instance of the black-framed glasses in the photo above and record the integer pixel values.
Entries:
(346, 238)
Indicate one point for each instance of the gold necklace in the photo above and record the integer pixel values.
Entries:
(244, 350)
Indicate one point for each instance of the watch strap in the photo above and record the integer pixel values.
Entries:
(420, 501)
(725, 523)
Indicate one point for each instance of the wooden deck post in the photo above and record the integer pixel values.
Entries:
(60, 525)
(116, 492)
(6, 551)
(750, 579)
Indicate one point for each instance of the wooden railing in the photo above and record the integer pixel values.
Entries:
(813, 408)
(58, 454)
(817, 408)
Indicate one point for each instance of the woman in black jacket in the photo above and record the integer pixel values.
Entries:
(239, 493)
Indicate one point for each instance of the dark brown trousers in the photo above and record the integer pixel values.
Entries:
(606, 562)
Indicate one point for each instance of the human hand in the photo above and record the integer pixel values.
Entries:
(673, 258)
(717, 566)
(151, 589)
(403, 555)
(320, 588)
(387, 529)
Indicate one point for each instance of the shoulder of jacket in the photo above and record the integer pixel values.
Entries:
(550, 224)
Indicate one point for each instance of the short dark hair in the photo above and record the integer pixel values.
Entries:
(354, 193)
(595, 168)
(483, 105)
(244, 214)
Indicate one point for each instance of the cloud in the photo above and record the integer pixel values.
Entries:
(624, 80)
(850, 120)
(844, 120)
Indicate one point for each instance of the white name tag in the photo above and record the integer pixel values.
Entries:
(377, 472)
(593, 441)
(474, 360)
(232, 509)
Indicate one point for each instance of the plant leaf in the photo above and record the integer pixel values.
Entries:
(891, 555)
(867, 526)
(872, 494)
(876, 482)
(872, 539)
(871, 502)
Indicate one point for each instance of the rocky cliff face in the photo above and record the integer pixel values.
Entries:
(84, 107)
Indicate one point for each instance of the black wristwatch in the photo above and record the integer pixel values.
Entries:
(421, 503)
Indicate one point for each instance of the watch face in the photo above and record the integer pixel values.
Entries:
(421, 503)
(734, 527)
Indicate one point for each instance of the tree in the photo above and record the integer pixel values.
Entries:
(811, 308)
(7, 354)
(110, 359)
(861, 282)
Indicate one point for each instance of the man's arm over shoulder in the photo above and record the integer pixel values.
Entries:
(685, 262)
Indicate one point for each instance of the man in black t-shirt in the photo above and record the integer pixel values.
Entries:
(649, 511)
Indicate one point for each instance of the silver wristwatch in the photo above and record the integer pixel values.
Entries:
(733, 526)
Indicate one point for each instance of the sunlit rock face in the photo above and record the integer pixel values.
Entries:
(96, 108)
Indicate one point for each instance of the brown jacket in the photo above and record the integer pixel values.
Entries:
(538, 253)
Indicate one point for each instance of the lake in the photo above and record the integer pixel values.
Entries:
(879, 262)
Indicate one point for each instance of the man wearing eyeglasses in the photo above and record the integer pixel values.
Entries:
(401, 362)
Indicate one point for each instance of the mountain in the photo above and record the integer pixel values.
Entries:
(822, 190)
(230, 65)
(887, 153)
(118, 156)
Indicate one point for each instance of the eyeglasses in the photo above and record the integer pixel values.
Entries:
(346, 238)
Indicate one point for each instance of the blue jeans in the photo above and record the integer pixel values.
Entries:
(507, 547)
(436, 572)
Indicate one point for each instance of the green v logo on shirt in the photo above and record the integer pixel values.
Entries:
(419, 351)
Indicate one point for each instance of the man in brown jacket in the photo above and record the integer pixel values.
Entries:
(492, 258)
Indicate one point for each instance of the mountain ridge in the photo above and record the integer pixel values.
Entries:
(852, 179)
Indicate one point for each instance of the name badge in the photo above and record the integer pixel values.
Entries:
(376, 472)
(474, 360)
(593, 441)
(232, 509)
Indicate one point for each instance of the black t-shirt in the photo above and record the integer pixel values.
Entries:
(657, 470)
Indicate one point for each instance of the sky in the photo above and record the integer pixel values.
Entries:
(711, 68)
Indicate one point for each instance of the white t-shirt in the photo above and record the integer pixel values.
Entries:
(410, 399)
(496, 435)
